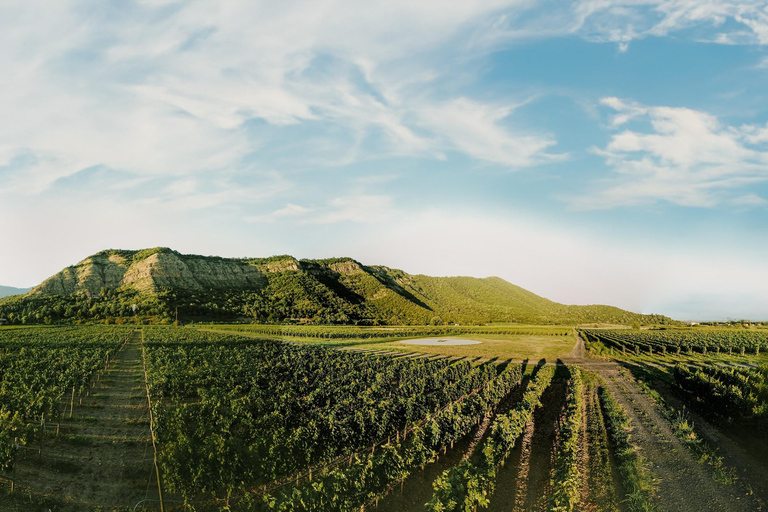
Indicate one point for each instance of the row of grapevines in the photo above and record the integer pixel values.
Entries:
(637, 482)
(370, 476)
(355, 332)
(566, 479)
(677, 340)
(470, 483)
(234, 413)
(749, 380)
(724, 394)
(38, 367)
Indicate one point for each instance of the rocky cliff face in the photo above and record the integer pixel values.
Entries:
(90, 275)
(161, 269)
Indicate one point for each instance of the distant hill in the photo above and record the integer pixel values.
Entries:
(5, 291)
(161, 282)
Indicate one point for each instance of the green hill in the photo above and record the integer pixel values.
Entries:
(160, 282)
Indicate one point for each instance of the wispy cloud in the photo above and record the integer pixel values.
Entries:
(477, 129)
(623, 21)
(354, 208)
(288, 212)
(679, 155)
(171, 88)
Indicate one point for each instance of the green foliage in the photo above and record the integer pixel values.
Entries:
(567, 476)
(470, 484)
(683, 429)
(635, 477)
(234, 413)
(39, 366)
(281, 288)
(360, 332)
(728, 392)
(704, 340)
(370, 475)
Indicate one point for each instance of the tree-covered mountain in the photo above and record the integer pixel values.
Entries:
(161, 282)
(6, 291)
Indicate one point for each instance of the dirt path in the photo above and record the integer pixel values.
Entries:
(747, 465)
(102, 459)
(579, 351)
(683, 484)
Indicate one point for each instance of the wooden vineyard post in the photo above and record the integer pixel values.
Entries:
(42, 434)
(72, 402)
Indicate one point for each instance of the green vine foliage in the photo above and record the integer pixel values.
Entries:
(470, 484)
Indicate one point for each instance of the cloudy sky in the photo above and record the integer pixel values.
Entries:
(592, 151)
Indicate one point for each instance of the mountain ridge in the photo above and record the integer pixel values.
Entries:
(6, 291)
(161, 281)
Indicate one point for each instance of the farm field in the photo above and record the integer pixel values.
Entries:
(503, 342)
(240, 419)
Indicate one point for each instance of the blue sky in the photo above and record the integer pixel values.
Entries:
(590, 151)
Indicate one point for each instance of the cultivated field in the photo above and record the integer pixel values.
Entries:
(345, 418)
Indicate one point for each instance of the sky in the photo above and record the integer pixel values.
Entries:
(591, 151)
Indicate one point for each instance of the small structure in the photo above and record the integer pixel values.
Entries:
(3, 321)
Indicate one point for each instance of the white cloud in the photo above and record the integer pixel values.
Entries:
(167, 88)
(357, 208)
(686, 157)
(475, 129)
(289, 211)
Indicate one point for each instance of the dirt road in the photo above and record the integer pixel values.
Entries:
(683, 484)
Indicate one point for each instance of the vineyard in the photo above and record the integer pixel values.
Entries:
(676, 341)
(353, 332)
(241, 420)
(39, 369)
(262, 425)
(730, 392)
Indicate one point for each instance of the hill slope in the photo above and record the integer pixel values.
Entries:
(339, 290)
